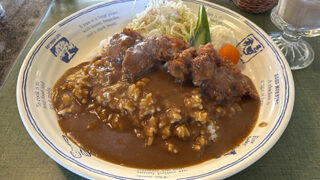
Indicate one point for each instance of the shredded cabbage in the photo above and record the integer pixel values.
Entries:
(165, 17)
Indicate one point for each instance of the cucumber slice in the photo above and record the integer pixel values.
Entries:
(202, 32)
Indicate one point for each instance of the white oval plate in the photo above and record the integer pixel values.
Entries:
(70, 42)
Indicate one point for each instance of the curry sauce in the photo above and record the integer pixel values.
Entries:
(155, 115)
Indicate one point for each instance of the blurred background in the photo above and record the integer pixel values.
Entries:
(16, 25)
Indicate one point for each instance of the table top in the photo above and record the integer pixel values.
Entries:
(15, 13)
(295, 156)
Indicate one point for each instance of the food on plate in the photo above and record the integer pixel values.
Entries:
(154, 101)
(176, 19)
(163, 17)
(201, 33)
(221, 36)
(230, 52)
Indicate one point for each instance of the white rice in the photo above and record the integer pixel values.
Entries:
(212, 130)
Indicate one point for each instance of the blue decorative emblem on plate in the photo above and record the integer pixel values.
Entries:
(74, 152)
(250, 46)
(64, 50)
(232, 152)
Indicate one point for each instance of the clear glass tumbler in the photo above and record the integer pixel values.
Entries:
(296, 18)
(2, 12)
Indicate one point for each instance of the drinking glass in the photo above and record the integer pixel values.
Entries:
(2, 12)
(296, 18)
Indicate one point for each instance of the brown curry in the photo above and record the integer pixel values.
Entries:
(155, 103)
